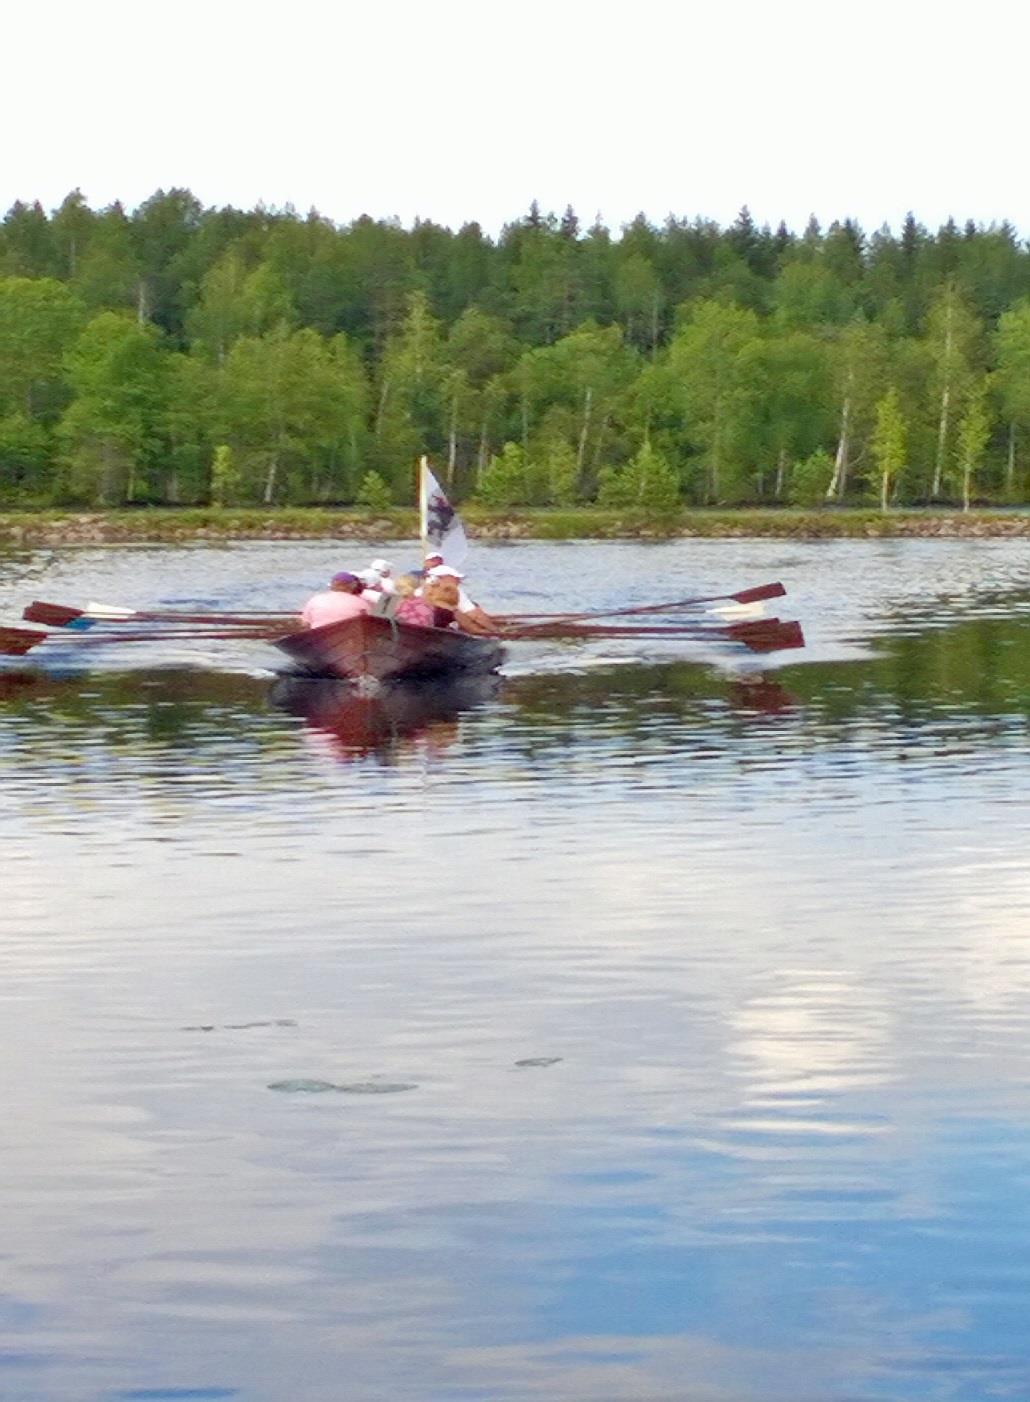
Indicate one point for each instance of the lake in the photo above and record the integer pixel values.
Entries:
(653, 1026)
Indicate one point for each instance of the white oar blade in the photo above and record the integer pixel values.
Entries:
(738, 613)
(108, 611)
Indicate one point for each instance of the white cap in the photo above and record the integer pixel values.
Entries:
(445, 572)
(382, 566)
(369, 577)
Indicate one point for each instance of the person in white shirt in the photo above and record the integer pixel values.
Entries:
(384, 570)
(371, 585)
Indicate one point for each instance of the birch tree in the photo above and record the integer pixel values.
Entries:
(953, 333)
(889, 445)
(1012, 380)
(974, 432)
(860, 369)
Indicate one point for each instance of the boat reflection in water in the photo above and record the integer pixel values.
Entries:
(353, 724)
(760, 693)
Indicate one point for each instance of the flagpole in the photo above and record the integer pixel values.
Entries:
(423, 504)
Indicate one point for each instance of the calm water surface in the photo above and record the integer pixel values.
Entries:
(654, 1029)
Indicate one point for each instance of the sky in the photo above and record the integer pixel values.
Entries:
(465, 111)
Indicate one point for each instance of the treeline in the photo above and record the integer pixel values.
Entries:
(185, 355)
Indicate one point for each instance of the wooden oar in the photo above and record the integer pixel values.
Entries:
(766, 635)
(644, 630)
(63, 616)
(101, 638)
(742, 596)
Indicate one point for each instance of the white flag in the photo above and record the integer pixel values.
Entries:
(442, 531)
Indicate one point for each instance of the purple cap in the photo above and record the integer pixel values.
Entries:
(344, 577)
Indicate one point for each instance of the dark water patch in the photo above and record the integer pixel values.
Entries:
(239, 1026)
(176, 1394)
(302, 1086)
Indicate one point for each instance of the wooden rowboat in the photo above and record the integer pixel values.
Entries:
(369, 648)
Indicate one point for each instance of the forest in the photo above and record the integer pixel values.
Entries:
(179, 355)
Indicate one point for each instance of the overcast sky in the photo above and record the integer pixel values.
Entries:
(456, 110)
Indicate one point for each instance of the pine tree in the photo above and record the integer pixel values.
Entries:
(374, 492)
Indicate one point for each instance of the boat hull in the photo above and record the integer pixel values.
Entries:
(370, 648)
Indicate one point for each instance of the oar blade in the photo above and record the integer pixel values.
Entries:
(759, 637)
(758, 593)
(109, 613)
(16, 642)
(737, 613)
(53, 615)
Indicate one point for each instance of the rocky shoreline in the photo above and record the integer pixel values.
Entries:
(159, 526)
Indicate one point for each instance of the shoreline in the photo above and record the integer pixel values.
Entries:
(162, 525)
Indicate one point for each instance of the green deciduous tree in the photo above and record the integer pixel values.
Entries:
(647, 481)
(107, 271)
(411, 405)
(861, 365)
(292, 408)
(1012, 379)
(236, 301)
(789, 415)
(225, 477)
(889, 445)
(588, 373)
(510, 479)
(112, 432)
(39, 320)
(716, 395)
(26, 453)
(974, 433)
(810, 479)
(954, 335)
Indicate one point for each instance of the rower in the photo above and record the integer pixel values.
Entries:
(343, 599)
(371, 585)
(384, 570)
(430, 562)
(468, 615)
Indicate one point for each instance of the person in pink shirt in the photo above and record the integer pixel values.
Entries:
(411, 609)
(341, 600)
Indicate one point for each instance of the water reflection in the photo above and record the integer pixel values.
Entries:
(399, 718)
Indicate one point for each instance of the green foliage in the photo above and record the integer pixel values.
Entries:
(25, 459)
(317, 352)
(374, 492)
(889, 445)
(810, 480)
(511, 479)
(557, 459)
(225, 477)
(718, 397)
(39, 321)
(292, 407)
(646, 481)
(974, 432)
(112, 432)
